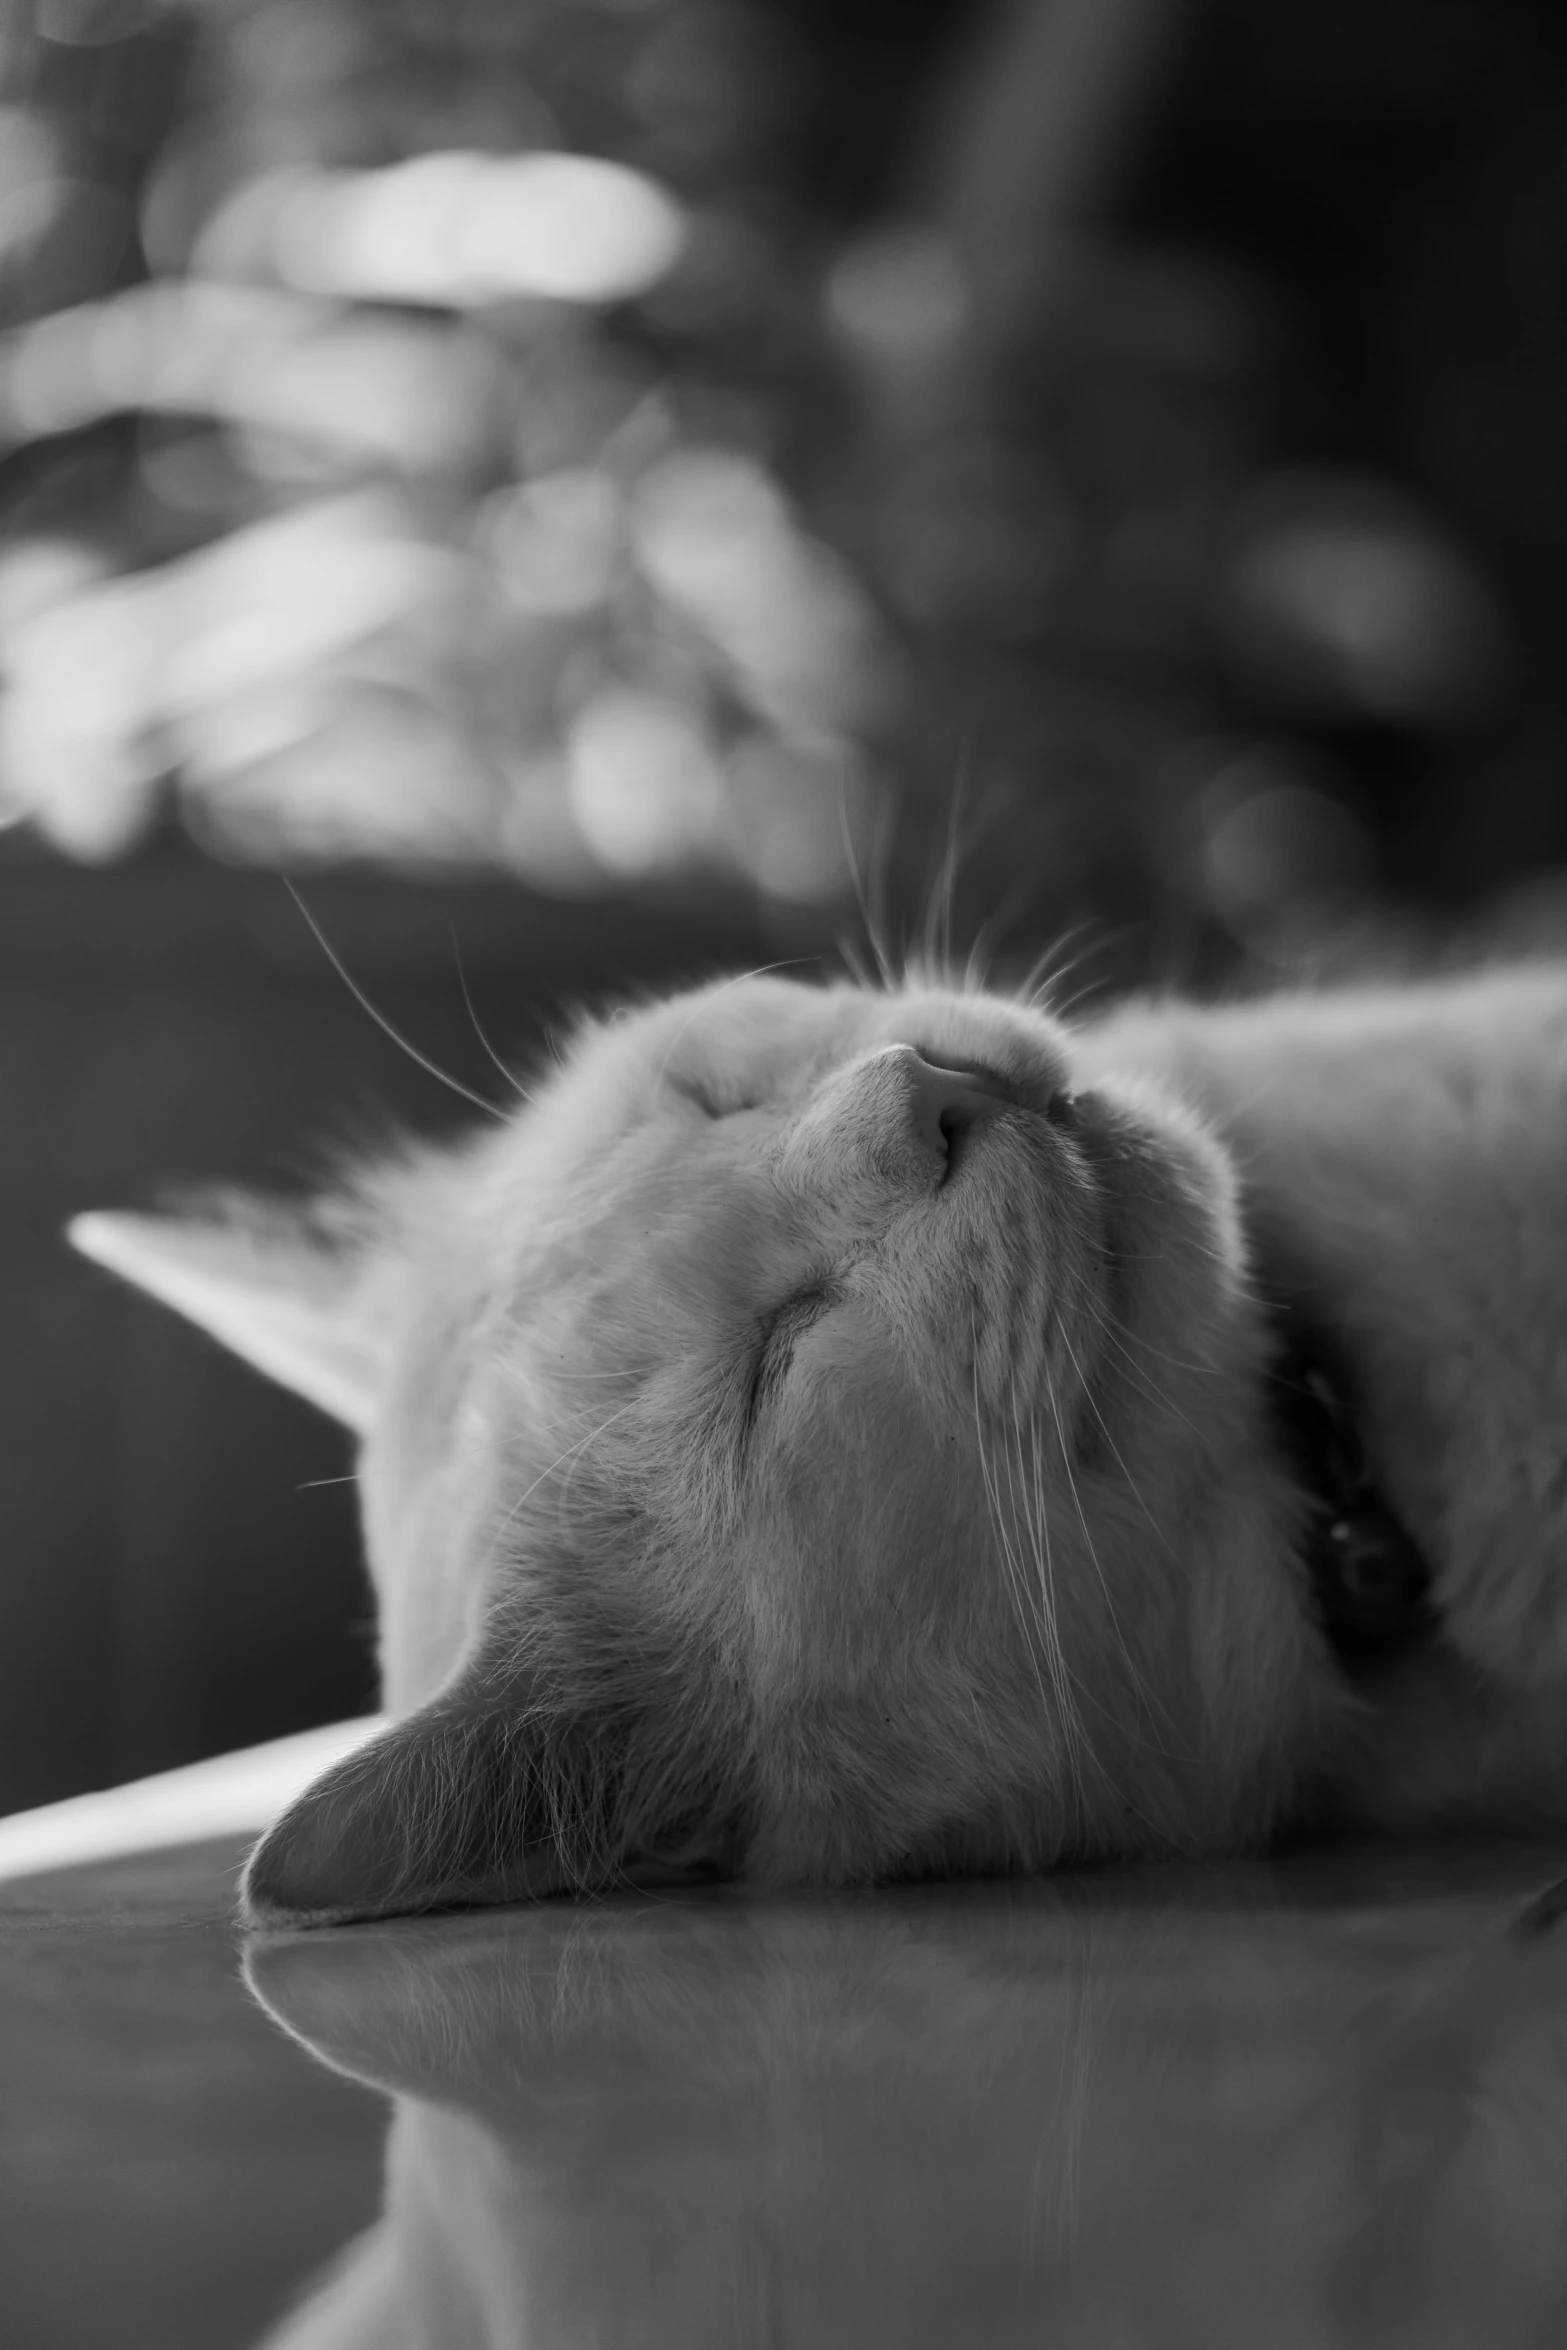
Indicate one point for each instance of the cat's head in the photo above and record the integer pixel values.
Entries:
(816, 1437)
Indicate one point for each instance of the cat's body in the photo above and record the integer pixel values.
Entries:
(832, 1434)
(1403, 1157)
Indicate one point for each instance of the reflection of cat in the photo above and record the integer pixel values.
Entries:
(834, 1435)
(1084, 2112)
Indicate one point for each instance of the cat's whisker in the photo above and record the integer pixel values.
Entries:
(1199, 1248)
(521, 1377)
(492, 1055)
(1108, 1333)
(1085, 1694)
(869, 920)
(1039, 1532)
(976, 963)
(1039, 990)
(1146, 1386)
(571, 1453)
(854, 963)
(1139, 1685)
(937, 925)
(1132, 1486)
(1030, 1608)
(1032, 990)
(1077, 1693)
(1012, 1569)
(1011, 1565)
(1159, 1355)
(422, 1060)
(1041, 1587)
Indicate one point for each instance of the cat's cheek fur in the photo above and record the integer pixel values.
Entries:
(1157, 1691)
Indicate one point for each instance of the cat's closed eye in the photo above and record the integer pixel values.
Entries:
(780, 1334)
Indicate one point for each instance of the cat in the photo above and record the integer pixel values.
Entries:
(831, 1434)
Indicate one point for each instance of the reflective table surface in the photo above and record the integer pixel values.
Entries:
(1321, 2100)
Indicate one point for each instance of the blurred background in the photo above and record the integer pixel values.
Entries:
(603, 490)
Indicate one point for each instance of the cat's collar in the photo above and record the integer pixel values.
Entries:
(1370, 1583)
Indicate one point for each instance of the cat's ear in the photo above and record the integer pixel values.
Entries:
(295, 1301)
(451, 1809)
(506, 1786)
(489, 1793)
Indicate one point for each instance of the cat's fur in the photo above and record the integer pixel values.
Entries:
(825, 1435)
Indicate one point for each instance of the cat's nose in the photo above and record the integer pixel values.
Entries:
(945, 1104)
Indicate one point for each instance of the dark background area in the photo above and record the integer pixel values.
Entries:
(182, 1560)
(1080, 471)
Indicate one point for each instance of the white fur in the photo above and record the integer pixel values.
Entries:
(992, 1562)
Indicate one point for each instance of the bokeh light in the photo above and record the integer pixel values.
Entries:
(648, 446)
(451, 230)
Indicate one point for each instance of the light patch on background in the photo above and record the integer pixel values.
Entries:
(380, 389)
(243, 678)
(28, 213)
(1283, 859)
(157, 346)
(537, 834)
(75, 755)
(715, 537)
(31, 193)
(793, 819)
(36, 573)
(248, 728)
(381, 776)
(294, 592)
(899, 296)
(454, 229)
(557, 542)
(90, 24)
(104, 686)
(229, 1795)
(1344, 592)
(644, 785)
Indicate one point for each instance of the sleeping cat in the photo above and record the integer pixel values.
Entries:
(829, 1435)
